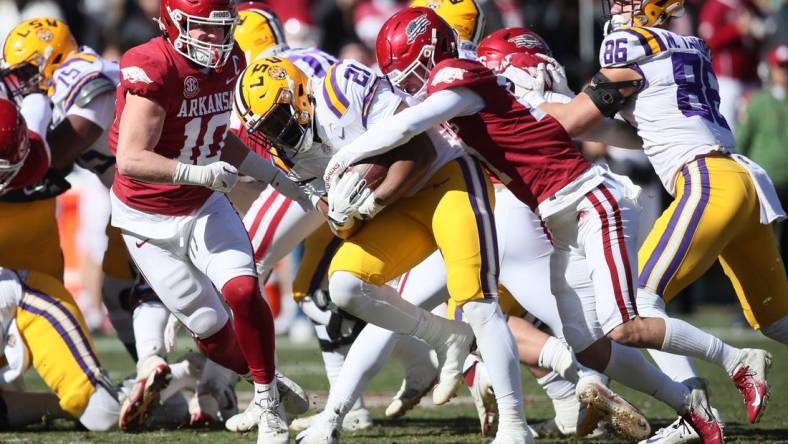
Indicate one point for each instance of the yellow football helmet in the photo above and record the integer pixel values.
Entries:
(464, 16)
(273, 100)
(32, 51)
(258, 31)
(657, 12)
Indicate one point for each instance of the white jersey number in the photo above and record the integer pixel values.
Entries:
(209, 148)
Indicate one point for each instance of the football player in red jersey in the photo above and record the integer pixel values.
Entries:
(589, 210)
(24, 154)
(175, 161)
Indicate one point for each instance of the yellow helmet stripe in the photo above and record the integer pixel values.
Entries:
(336, 101)
(649, 40)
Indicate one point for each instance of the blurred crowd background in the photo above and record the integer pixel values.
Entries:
(748, 40)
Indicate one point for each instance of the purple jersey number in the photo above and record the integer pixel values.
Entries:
(358, 74)
(697, 93)
(615, 51)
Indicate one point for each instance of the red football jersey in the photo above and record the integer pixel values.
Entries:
(198, 102)
(36, 164)
(532, 153)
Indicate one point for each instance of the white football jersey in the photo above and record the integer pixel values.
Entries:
(312, 61)
(676, 112)
(352, 98)
(75, 83)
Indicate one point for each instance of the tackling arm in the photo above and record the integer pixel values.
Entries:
(603, 97)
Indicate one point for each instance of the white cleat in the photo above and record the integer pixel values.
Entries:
(153, 376)
(679, 432)
(406, 399)
(750, 378)
(515, 435)
(452, 349)
(355, 420)
(293, 397)
(272, 428)
(625, 418)
(484, 399)
(322, 431)
(246, 420)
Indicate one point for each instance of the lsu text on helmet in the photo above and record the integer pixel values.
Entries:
(14, 144)
(259, 30)
(410, 43)
(31, 53)
(273, 101)
(179, 18)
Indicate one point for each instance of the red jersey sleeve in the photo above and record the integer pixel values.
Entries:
(36, 164)
(455, 73)
(144, 74)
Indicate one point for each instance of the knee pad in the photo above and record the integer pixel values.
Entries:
(650, 305)
(206, 321)
(478, 312)
(346, 289)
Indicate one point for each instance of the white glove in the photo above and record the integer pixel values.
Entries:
(345, 198)
(557, 76)
(219, 176)
(369, 206)
(16, 354)
(529, 83)
(171, 333)
(336, 166)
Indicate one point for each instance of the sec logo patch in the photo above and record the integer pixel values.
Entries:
(190, 87)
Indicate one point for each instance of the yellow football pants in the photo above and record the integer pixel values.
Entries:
(319, 249)
(61, 349)
(716, 214)
(453, 212)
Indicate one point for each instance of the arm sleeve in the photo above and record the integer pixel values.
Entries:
(37, 111)
(100, 110)
(400, 128)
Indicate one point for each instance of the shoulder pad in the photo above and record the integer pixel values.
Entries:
(628, 46)
(456, 73)
(93, 89)
(345, 88)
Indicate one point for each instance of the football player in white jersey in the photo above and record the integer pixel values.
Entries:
(662, 84)
(350, 98)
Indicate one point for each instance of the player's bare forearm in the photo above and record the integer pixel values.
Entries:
(70, 138)
(413, 162)
(140, 129)
(577, 116)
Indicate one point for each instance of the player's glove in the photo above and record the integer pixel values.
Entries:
(337, 165)
(171, 333)
(345, 197)
(557, 76)
(529, 83)
(219, 176)
(370, 206)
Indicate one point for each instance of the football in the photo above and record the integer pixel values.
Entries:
(372, 169)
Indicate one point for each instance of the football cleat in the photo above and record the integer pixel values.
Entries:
(152, 377)
(480, 386)
(625, 418)
(244, 421)
(750, 378)
(294, 399)
(513, 435)
(323, 430)
(678, 432)
(406, 398)
(700, 416)
(452, 347)
(272, 427)
(204, 411)
(355, 420)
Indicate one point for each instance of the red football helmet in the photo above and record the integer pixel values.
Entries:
(179, 17)
(14, 145)
(410, 44)
(493, 48)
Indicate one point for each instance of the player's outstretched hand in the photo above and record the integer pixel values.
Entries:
(529, 82)
(557, 75)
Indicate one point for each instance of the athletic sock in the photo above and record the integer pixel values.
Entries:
(557, 356)
(678, 367)
(149, 319)
(682, 338)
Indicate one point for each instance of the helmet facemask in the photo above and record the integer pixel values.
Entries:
(209, 55)
(413, 79)
(285, 130)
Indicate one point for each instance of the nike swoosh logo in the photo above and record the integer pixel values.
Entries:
(757, 401)
(140, 244)
(436, 185)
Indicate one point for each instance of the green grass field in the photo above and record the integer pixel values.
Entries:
(448, 424)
